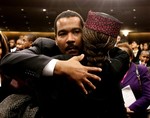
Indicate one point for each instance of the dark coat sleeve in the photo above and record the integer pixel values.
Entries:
(119, 62)
(30, 62)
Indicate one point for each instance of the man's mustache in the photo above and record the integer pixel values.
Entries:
(71, 47)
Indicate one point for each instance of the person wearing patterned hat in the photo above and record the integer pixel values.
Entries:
(99, 38)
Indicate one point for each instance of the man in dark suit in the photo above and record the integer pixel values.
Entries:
(69, 42)
(35, 66)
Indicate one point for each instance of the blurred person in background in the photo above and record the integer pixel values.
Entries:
(12, 44)
(146, 46)
(28, 39)
(135, 46)
(118, 40)
(138, 78)
(19, 44)
(144, 58)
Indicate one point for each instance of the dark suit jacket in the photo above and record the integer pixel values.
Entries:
(30, 62)
(57, 96)
(136, 59)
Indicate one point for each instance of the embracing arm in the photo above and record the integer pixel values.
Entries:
(119, 61)
(26, 64)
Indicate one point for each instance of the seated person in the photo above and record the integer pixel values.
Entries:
(144, 58)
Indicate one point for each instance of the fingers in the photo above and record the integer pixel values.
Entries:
(89, 84)
(78, 58)
(83, 88)
(93, 69)
(129, 111)
(95, 77)
(89, 77)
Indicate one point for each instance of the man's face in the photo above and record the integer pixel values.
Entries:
(134, 45)
(144, 57)
(68, 36)
(26, 42)
(12, 43)
(19, 44)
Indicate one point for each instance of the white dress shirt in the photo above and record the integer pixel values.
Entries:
(49, 68)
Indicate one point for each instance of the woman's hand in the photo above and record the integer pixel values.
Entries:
(128, 110)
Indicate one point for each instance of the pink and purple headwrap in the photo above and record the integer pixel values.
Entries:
(103, 23)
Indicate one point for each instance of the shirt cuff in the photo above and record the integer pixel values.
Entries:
(49, 68)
